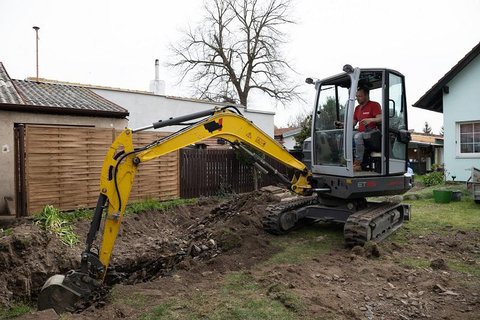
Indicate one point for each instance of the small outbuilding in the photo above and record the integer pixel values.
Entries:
(29, 107)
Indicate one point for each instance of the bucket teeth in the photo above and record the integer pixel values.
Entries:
(64, 293)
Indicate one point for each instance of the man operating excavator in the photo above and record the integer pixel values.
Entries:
(367, 114)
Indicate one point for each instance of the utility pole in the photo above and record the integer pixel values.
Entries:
(36, 38)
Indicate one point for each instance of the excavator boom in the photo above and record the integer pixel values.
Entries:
(61, 292)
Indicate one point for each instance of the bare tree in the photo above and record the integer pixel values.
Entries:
(236, 49)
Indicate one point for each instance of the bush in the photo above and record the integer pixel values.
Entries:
(433, 178)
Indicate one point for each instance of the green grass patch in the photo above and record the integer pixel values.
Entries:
(240, 297)
(239, 282)
(281, 293)
(454, 265)
(6, 232)
(15, 310)
(415, 263)
(307, 242)
(156, 205)
(162, 311)
(132, 208)
(52, 221)
(136, 300)
(78, 214)
(430, 217)
(460, 266)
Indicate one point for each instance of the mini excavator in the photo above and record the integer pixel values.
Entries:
(328, 187)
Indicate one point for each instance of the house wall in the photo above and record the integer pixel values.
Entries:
(289, 142)
(461, 104)
(7, 154)
(147, 108)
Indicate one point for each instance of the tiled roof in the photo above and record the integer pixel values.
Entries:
(32, 96)
(98, 87)
(63, 96)
(8, 94)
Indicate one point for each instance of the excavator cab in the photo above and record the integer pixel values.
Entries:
(333, 148)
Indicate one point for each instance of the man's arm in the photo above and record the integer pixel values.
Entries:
(377, 119)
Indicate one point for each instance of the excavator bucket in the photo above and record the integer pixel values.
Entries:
(64, 293)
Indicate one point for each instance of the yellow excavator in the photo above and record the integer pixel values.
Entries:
(329, 187)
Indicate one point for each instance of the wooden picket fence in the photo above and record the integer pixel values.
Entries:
(206, 172)
(62, 165)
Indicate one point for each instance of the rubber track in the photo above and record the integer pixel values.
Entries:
(271, 220)
(357, 227)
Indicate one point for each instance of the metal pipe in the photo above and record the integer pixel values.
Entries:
(36, 38)
(263, 164)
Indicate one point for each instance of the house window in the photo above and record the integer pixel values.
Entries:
(469, 139)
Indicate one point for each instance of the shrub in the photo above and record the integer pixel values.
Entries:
(433, 178)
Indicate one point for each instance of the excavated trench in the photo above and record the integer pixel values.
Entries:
(150, 245)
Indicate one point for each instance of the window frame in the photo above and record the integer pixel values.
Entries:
(458, 144)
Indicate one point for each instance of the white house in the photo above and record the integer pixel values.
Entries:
(147, 107)
(456, 96)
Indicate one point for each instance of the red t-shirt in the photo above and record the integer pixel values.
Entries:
(370, 110)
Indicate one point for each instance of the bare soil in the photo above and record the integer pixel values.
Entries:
(192, 248)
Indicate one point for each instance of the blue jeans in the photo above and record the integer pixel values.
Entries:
(359, 146)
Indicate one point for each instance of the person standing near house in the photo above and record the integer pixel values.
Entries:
(367, 114)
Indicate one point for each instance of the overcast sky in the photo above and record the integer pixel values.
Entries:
(114, 43)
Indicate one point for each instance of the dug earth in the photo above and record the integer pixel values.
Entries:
(213, 260)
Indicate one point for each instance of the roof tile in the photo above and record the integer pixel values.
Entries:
(25, 93)
(63, 96)
(8, 94)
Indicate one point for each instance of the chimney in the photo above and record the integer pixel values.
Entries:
(157, 70)
(157, 86)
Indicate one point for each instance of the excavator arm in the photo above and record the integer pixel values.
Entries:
(119, 168)
(118, 172)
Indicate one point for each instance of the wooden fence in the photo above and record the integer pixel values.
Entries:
(213, 172)
(62, 168)
(63, 165)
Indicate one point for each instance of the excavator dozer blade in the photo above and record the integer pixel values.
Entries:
(64, 293)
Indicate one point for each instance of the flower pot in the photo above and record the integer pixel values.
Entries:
(442, 196)
(456, 195)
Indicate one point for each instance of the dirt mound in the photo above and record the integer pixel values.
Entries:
(28, 256)
(190, 251)
(149, 244)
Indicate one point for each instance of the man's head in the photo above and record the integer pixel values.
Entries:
(362, 95)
